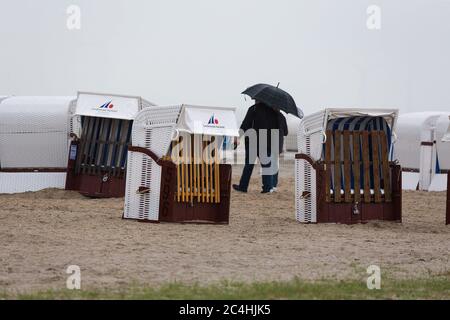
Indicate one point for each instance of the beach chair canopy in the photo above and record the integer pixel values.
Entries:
(313, 127)
(213, 121)
(98, 158)
(109, 105)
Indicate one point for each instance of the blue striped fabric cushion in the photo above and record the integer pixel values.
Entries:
(361, 123)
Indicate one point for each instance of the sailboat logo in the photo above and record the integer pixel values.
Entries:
(213, 120)
(107, 105)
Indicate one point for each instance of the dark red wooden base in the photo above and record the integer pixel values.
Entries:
(332, 212)
(100, 185)
(94, 186)
(346, 213)
(447, 213)
(195, 212)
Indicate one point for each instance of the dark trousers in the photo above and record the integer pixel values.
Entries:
(275, 180)
(267, 180)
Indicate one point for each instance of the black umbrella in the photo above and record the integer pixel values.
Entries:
(274, 97)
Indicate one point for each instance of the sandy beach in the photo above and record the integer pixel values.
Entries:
(42, 233)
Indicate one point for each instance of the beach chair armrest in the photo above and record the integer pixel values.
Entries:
(311, 161)
(148, 152)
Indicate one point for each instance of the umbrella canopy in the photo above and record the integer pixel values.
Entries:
(274, 97)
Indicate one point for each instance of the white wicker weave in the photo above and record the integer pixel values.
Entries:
(19, 182)
(34, 132)
(310, 139)
(152, 129)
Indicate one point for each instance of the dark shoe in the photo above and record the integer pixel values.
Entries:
(267, 191)
(238, 188)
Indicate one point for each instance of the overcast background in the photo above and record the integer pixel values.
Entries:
(207, 52)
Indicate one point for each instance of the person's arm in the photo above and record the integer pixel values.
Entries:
(247, 123)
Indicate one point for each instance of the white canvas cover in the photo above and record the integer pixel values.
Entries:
(443, 141)
(109, 105)
(417, 149)
(413, 129)
(439, 183)
(446, 137)
(215, 121)
(34, 132)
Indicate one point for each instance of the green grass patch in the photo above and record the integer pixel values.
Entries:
(433, 288)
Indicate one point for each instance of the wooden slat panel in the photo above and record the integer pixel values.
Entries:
(217, 174)
(116, 152)
(203, 184)
(337, 166)
(366, 165)
(82, 147)
(178, 172)
(121, 145)
(211, 173)
(87, 142)
(198, 166)
(207, 175)
(385, 167)
(182, 171)
(194, 165)
(92, 144)
(127, 138)
(101, 143)
(112, 139)
(347, 167)
(186, 166)
(376, 165)
(191, 171)
(356, 166)
(328, 143)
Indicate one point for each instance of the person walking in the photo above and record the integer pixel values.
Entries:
(259, 117)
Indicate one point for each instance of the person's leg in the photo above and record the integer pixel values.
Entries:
(247, 171)
(267, 178)
(275, 180)
(246, 175)
(276, 161)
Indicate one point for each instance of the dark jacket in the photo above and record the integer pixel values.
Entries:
(261, 116)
